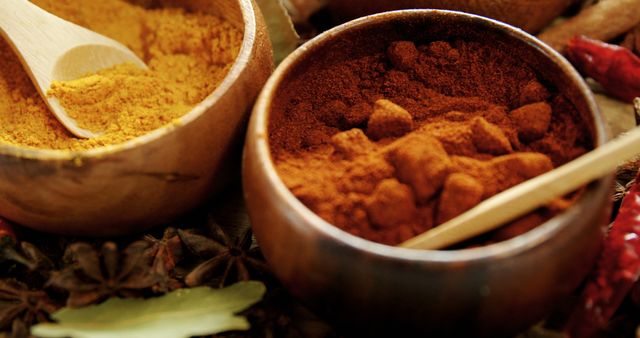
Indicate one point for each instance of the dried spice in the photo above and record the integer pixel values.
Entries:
(188, 54)
(616, 68)
(388, 144)
(19, 303)
(23, 253)
(627, 172)
(179, 314)
(167, 260)
(6, 231)
(625, 179)
(94, 276)
(617, 271)
(18, 330)
(166, 251)
(8, 242)
(222, 253)
(162, 256)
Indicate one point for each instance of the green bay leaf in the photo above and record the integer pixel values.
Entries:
(283, 36)
(182, 313)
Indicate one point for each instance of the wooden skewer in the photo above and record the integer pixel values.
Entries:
(528, 196)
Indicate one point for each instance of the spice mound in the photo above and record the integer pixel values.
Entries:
(188, 55)
(388, 145)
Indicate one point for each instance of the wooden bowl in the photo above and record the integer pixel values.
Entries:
(152, 179)
(530, 15)
(491, 291)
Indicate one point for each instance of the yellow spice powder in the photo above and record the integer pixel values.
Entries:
(188, 55)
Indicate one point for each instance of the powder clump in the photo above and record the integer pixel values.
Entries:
(460, 193)
(421, 162)
(388, 120)
(532, 120)
(392, 203)
(489, 138)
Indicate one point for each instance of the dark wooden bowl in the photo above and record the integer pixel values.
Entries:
(530, 15)
(490, 291)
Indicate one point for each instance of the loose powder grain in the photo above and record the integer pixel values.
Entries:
(388, 145)
(188, 55)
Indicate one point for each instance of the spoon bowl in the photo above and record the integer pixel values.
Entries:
(85, 59)
(52, 49)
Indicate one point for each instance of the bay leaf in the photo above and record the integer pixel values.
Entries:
(281, 31)
(181, 313)
(301, 10)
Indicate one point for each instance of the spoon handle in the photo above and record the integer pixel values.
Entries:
(527, 196)
(37, 36)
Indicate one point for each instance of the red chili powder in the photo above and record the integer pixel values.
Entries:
(389, 144)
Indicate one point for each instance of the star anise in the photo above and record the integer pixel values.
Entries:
(94, 276)
(19, 303)
(8, 242)
(163, 254)
(18, 330)
(223, 254)
(23, 253)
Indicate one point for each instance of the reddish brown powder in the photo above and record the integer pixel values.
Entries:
(389, 144)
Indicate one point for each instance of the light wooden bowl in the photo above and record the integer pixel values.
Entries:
(530, 15)
(152, 179)
(491, 291)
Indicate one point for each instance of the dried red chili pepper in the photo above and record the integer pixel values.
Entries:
(8, 243)
(617, 271)
(616, 68)
(6, 231)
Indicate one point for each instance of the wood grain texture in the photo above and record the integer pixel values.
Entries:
(149, 180)
(379, 290)
(530, 15)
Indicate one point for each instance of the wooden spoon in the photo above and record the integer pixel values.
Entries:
(528, 196)
(52, 49)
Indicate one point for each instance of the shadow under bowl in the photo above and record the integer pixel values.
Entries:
(491, 291)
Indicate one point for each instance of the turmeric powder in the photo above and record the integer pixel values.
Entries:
(188, 55)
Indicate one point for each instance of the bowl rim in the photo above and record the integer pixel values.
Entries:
(241, 61)
(258, 136)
